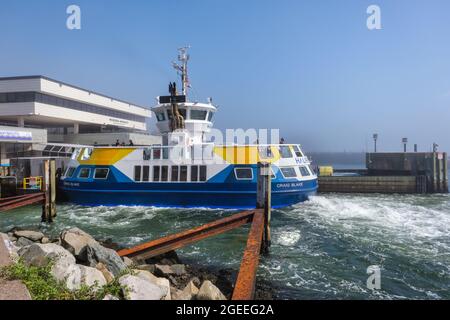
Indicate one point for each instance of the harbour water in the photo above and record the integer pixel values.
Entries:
(321, 249)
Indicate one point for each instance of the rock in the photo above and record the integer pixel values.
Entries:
(167, 258)
(188, 293)
(45, 240)
(178, 269)
(76, 240)
(136, 288)
(161, 282)
(110, 297)
(31, 235)
(163, 270)
(10, 246)
(146, 267)
(76, 275)
(95, 253)
(196, 281)
(106, 273)
(12, 238)
(208, 291)
(129, 263)
(41, 254)
(22, 242)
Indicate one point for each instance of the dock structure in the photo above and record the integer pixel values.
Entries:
(406, 172)
(258, 240)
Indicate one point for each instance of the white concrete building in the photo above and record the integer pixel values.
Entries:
(71, 114)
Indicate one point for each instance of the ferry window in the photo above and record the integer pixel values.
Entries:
(198, 115)
(147, 154)
(183, 173)
(156, 172)
(84, 173)
(243, 173)
(298, 152)
(203, 173)
(70, 171)
(160, 116)
(285, 152)
(164, 173)
(145, 173)
(265, 152)
(289, 172)
(165, 153)
(194, 173)
(101, 173)
(304, 171)
(137, 173)
(210, 116)
(156, 154)
(174, 173)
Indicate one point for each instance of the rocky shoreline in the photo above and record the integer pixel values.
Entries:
(79, 261)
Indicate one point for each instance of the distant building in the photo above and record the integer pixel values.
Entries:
(42, 117)
(71, 114)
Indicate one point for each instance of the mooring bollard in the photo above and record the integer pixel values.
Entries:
(263, 200)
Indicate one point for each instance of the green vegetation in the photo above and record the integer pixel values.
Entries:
(43, 286)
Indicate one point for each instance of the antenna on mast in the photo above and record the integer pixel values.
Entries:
(183, 57)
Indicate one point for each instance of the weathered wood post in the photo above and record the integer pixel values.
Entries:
(263, 200)
(46, 189)
(49, 189)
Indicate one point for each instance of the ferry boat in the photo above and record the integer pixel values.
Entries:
(186, 170)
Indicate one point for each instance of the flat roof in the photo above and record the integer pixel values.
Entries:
(69, 85)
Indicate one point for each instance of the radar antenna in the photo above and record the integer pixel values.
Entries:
(182, 69)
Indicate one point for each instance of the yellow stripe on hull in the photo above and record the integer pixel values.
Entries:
(105, 156)
(244, 154)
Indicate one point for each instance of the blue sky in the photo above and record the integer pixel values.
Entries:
(310, 68)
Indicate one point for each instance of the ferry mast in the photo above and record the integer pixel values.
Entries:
(183, 58)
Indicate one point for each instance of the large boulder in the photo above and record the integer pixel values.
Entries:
(188, 293)
(41, 255)
(208, 291)
(137, 288)
(106, 273)
(167, 270)
(76, 240)
(75, 275)
(161, 282)
(9, 245)
(96, 253)
(23, 242)
(31, 235)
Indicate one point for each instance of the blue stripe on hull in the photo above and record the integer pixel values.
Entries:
(210, 195)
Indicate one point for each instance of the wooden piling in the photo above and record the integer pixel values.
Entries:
(263, 200)
(49, 189)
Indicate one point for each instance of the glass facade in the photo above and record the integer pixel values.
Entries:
(13, 97)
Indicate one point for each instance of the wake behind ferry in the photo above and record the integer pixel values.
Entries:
(186, 170)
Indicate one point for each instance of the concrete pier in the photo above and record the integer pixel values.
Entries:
(418, 172)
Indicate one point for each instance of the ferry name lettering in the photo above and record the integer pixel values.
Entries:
(290, 185)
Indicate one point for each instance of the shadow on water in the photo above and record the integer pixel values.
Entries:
(321, 248)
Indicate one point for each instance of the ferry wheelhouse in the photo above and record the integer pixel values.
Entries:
(186, 170)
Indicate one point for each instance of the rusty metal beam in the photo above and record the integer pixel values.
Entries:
(244, 288)
(17, 202)
(178, 240)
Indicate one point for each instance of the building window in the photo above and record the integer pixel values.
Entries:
(183, 173)
(288, 172)
(137, 173)
(194, 173)
(285, 152)
(164, 173)
(198, 115)
(304, 171)
(101, 173)
(174, 174)
(243, 173)
(156, 173)
(203, 174)
(84, 173)
(145, 173)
